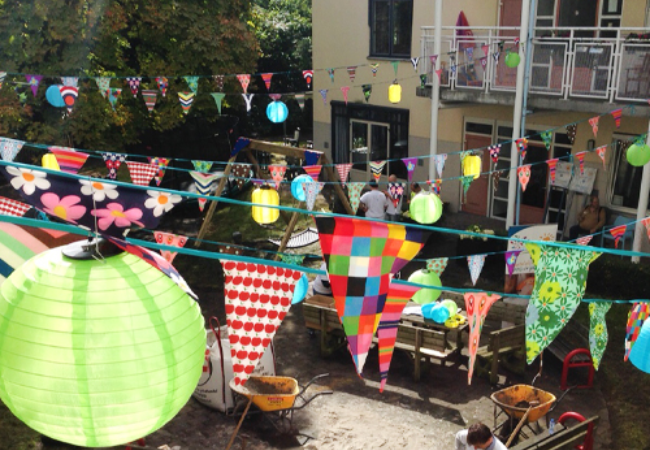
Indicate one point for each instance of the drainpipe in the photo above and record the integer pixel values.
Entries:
(516, 118)
(641, 209)
(435, 89)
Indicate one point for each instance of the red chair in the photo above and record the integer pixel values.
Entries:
(140, 443)
(581, 361)
(588, 443)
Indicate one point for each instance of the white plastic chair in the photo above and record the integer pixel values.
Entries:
(629, 231)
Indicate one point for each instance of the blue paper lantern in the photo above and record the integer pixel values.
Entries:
(296, 187)
(53, 95)
(300, 290)
(640, 353)
(277, 112)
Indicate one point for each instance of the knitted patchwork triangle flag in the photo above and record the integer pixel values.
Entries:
(594, 125)
(440, 163)
(244, 80)
(311, 189)
(396, 299)
(308, 75)
(141, 173)
(313, 171)
(161, 164)
(601, 152)
(494, 152)
(638, 314)
(69, 160)
(354, 194)
(523, 174)
(172, 240)
(150, 96)
(361, 258)
(343, 171)
(475, 264)
(376, 167)
(437, 265)
(192, 83)
(9, 148)
(617, 232)
(551, 168)
(163, 85)
(617, 114)
(258, 298)
(477, 305)
(410, 167)
(204, 183)
(113, 162)
(277, 173)
(202, 166)
(266, 77)
(581, 160)
(395, 191)
(134, 84)
(9, 207)
(186, 99)
(352, 73)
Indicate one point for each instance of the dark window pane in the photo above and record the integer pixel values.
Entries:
(545, 7)
(391, 23)
(479, 128)
(535, 194)
(402, 24)
(562, 138)
(505, 131)
(380, 28)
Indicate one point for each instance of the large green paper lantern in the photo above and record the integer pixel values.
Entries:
(512, 59)
(638, 155)
(97, 353)
(427, 278)
(425, 208)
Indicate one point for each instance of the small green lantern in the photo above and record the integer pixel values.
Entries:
(96, 352)
(512, 59)
(638, 154)
(427, 278)
(425, 208)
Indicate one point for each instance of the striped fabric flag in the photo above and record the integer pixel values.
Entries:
(343, 171)
(204, 183)
(163, 85)
(601, 152)
(300, 99)
(313, 171)
(635, 320)
(397, 298)
(244, 80)
(352, 73)
(141, 173)
(134, 84)
(376, 167)
(150, 96)
(551, 168)
(186, 99)
(69, 95)
(10, 207)
(113, 162)
(584, 240)
(581, 159)
(266, 77)
(617, 114)
(308, 75)
(69, 160)
(617, 232)
(161, 164)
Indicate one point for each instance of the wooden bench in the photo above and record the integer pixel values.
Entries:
(506, 346)
(571, 347)
(563, 438)
(422, 342)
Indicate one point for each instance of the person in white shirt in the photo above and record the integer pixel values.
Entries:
(374, 202)
(476, 437)
(321, 284)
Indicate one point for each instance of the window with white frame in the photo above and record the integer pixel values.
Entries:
(391, 23)
(625, 179)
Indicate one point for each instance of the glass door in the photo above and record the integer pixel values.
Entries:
(368, 142)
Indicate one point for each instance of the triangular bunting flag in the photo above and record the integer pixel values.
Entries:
(523, 174)
(311, 189)
(551, 168)
(439, 74)
(311, 158)
(202, 166)
(163, 85)
(141, 173)
(373, 69)
(149, 96)
(313, 171)
(3, 75)
(415, 62)
(511, 260)
(637, 316)
(300, 98)
(113, 162)
(34, 81)
(134, 84)
(494, 152)
(330, 71)
(219, 79)
(433, 59)
(617, 114)
(113, 95)
(218, 97)
(395, 65)
(477, 305)
(410, 167)
(469, 51)
(486, 50)
(192, 83)
(547, 136)
(437, 265)
(354, 194)
(367, 90)
(69, 160)
(9, 207)
(345, 90)
(204, 183)
(376, 168)
(571, 133)
(484, 61)
(266, 77)
(240, 144)
(423, 80)
(584, 240)
(522, 145)
(186, 99)
(343, 170)
(617, 232)
(172, 240)
(9, 148)
(277, 173)
(352, 73)
(601, 152)
(70, 81)
(646, 223)
(395, 192)
(248, 98)
(440, 163)
(275, 97)
(242, 173)
(581, 160)
(594, 125)
(308, 75)
(69, 95)
(466, 182)
(161, 164)
(437, 186)
(475, 264)
(244, 80)
(323, 94)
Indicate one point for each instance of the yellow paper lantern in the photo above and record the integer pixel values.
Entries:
(265, 196)
(395, 93)
(472, 166)
(49, 162)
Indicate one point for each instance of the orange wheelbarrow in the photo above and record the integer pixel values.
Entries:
(277, 396)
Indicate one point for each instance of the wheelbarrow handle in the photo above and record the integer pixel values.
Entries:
(557, 402)
(308, 400)
(304, 388)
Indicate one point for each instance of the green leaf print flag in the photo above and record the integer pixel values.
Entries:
(560, 282)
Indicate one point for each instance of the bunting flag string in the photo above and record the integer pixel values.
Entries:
(331, 74)
(134, 84)
(192, 83)
(594, 125)
(172, 240)
(204, 183)
(218, 97)
(219, 79)
(186, 99)
(34, 81)
(377, 167)
(395, 65)
(345, 90)
(343, 171)
(410, 167)
(10, 207)
(495, 181)
(104, 85)
(202, 166)
(522, 145)
(367, 90)
(477, 305)
(69, 160)
(466, 182)
(313, 171)
(141, 173)
(547, 137)
(395, 192)
(312, 189)
(646, 224)
(511, 260)
(415, 62)
(160, 164)
(113, 162)
(584, 240)
(571, 131)
(113, 95)
(248, 98)
(70, 81)
(598, 335)
(580, 156)
(552, 163)
(300, 98)
(373, 69)
(323, 94)
(266, 77)
(475, 265)
(69, 95)
(3, 75)
(617, 233)
(523, 174)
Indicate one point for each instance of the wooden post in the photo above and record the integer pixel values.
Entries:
(213, 205)
(287, 233)
(337, 186)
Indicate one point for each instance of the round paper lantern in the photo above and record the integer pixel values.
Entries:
(277, 112)
(427, 278)
(451, 306)
(472, 166)
(300, 290)
(638, 155)
(53, 96)
(640, 353)
(512, 59)
(425, 208)
(265, 196)
(49, 162)
(395, 93)
(296, 187)
(439, 314)
(96, 353)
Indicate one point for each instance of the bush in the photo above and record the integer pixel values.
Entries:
(617, 278)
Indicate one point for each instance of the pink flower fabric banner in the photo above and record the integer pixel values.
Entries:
(172, 240)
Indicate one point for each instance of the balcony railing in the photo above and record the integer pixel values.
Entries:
(608, 64)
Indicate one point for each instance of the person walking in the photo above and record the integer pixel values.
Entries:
(478, 436)
(374, 202)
